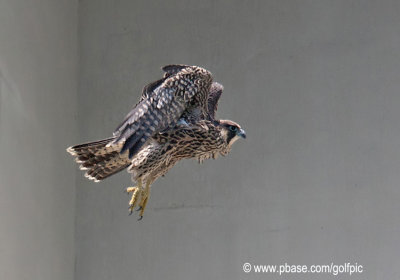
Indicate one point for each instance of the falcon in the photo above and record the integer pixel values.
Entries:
(174, 120)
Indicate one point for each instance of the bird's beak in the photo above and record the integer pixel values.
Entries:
(242, 133)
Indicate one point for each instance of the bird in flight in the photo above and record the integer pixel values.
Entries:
(174, 120)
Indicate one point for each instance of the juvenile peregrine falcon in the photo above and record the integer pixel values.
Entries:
(174, 120)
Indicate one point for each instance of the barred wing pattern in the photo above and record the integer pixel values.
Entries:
(163, 103)
(213, 98)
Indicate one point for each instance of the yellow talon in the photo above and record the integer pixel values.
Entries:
(140, 196)
(130, 189)
(143, 206)
(145, 198)
(134, 199)
(136, 191)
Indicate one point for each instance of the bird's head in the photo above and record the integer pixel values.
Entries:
(231, 131)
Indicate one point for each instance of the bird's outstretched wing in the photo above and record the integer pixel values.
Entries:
(173, 69)
(163, 102)
(213, 97)
(169, 71)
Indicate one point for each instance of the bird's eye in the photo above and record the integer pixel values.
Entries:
(233, 128)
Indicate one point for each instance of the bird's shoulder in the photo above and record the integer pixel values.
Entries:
(189, 130)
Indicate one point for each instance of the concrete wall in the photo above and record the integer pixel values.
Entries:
(38, 97)
(316, 86)
(314, 83)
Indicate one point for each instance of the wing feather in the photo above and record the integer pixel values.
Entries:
(173, 69)
(163, 103)
(151, 87)
(213, 98)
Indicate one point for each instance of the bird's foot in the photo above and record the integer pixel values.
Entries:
(139, 198)
(135, 191)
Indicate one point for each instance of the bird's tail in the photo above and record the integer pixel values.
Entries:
(100, 160)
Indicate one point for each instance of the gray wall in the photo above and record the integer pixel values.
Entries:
(315, 84)
(38, 97)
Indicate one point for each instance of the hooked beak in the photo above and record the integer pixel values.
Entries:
(242, 133)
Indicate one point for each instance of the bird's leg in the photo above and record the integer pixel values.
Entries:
(136, 191)
(145, 197)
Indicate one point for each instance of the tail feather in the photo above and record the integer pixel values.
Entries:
(99, 159)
